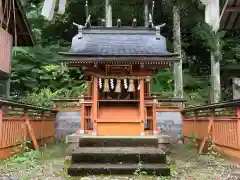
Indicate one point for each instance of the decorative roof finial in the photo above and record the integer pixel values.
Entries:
(88, 21)
(80, 27)
(153, 5)
(119, 23)
(134, 23)
(150, 22)
(86, 8)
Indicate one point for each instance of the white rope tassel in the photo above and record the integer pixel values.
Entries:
(100, 83)
(125, 84)
(112, 83)
(131, 87)
(106, 87)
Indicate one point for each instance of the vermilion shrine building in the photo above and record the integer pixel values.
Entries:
(118, 63)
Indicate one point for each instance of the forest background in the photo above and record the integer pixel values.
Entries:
(37, 76)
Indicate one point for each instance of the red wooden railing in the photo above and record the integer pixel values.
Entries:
(219, 123)
(5, 49)
(21, 122)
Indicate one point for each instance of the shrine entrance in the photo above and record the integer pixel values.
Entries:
(119, 107)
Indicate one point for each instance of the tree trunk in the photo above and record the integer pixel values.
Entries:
(146, 13)
(7, 89)
(178, 77)
(215, 79)
(108, 13)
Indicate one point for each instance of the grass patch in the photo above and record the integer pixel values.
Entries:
(32, 157)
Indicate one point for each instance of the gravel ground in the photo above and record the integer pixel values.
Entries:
(184, 163)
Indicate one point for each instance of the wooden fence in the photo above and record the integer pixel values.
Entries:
(219, 123)
(20, 123)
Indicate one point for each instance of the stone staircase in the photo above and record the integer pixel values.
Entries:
(118, 156)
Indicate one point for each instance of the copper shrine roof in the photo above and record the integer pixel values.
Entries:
(119, 42)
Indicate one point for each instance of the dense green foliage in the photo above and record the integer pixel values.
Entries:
(37, 74)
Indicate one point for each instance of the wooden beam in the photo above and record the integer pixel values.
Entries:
(78, 60)
(223, 10)
(233, 9)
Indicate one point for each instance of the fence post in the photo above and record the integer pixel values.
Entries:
(42, 127)
(30, 130)
(238, 124)
(212, 123)
(209, 132)
(195, 114)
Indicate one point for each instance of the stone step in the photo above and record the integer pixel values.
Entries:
(118, 155)
(118, 169)
(115, 141)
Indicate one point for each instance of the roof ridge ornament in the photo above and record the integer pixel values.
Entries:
(119, 23)
(150, 22)
(88, 21)
(134, 23)
(103, 22)
(158, 30)
(80, 28)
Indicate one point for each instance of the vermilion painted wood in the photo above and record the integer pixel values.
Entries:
(13, 130)
(225, 131)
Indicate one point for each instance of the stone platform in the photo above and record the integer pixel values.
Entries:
(120, 155)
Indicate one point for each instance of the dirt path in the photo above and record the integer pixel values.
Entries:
(184, 163)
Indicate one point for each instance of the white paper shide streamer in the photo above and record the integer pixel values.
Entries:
(125, 84)
(100, 83)
(112, 83)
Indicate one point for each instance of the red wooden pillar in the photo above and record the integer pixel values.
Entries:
(154, 118)
(95, 104)
(142, 117)
(82, 117)
(238, 124)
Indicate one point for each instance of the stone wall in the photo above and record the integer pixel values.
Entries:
(170, 123)
(66, 123)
